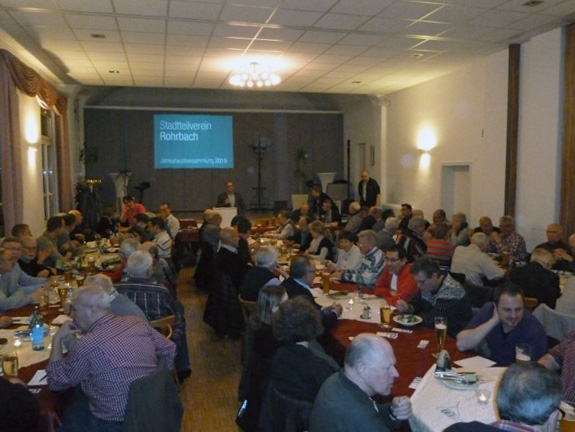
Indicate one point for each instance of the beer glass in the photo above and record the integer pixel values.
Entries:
(440, 332)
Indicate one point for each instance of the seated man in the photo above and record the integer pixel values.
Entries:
(21, 231)
(439, 248)
(299, 284)
(474, 263)
(66, 245)
(303, 237)
(384, 238)
(371, 264)
(286, 227)
(172, 222)
(156, 302)
(356, 215)
(329, 214)
(130, 210)
(19, 408)
(16, 287)
(261, 274)
(28, 261)
(411, 238)
(120, 305)
(438, 295)
(222, 310)
(54, 228)
(486, 226)
(536, 278)
(406, 215)
(396, 282)
(508, 240)
(561, 358)
(554, 243)
(344, 402)
(303, 210)
(498, 327)
(161, 238)
(113, 352)
(528, 399)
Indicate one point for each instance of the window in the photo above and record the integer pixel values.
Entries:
(48, 163)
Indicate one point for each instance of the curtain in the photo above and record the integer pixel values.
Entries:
(16, 75)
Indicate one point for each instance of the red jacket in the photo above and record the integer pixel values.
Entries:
(406, 286)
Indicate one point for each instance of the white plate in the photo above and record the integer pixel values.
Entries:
(400, 320)
(460, 386)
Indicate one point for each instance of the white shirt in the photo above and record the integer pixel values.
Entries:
(350, 260)
(173, 225)
(475, 265)
(164, 243)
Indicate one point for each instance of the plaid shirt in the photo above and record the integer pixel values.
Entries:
(509, 426)
(114, 352)
(514, 243)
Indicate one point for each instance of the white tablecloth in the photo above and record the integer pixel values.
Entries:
(435, 406)
(351, 310)
(26, 355)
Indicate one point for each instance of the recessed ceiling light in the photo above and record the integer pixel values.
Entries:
(98, 36)
(532, 3)
(416, 55)
(114, 71)
(356, 82)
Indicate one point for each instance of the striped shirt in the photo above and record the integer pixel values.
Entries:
(114, 352)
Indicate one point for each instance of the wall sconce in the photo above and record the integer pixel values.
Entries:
(424, 160)
(32, 130)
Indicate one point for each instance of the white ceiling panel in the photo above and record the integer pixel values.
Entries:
(157, 8)
(195, 10)
(99, 6)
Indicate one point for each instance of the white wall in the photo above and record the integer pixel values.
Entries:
(463, 110)
(540, 127)
(364, 121)
(32, 165)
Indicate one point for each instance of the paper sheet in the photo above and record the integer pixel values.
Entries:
(39, 378)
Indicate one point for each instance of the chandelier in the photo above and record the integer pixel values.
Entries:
(254, 75)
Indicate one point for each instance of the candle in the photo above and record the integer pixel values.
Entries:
(483, 396)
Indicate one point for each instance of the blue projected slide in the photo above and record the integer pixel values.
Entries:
(193, 141)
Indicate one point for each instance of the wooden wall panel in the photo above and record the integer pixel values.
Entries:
(512, 128)
(567, 212)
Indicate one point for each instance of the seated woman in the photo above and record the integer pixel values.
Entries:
(320, 247)
(297, 371)
(260, 346)
(348, 254)
(439, 248)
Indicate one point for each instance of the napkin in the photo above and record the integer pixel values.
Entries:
(39, 378)
(475, 362)
(60, 319)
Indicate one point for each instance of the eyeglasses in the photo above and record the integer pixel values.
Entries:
(393, 260)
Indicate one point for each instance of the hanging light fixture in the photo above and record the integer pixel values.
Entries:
(253, 76)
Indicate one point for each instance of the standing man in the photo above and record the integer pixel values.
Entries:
(316, 199)
(231, 198)
(113, 352)
(344, 402)
(172, 222)
(368, 190)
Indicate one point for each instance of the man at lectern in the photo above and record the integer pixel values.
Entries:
(230, 198)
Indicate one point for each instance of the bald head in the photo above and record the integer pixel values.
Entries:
(230, 237)
(554, 233)
(370, 364)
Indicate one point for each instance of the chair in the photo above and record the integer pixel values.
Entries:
(164, 325)
(531, 303)
(153, 403)
(281, 413)
(556, 324)
(248, 308)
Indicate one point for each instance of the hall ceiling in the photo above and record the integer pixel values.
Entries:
(321, 46)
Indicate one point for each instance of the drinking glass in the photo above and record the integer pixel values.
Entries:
(522, 353)
(440, 332)
(384, 315)
(10, 363)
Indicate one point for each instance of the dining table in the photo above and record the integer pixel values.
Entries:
(415, 347)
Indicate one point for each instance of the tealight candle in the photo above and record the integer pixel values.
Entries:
(482, 396)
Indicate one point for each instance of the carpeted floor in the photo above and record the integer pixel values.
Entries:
(210, 394)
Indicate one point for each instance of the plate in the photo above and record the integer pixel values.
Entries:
(460, 386)
(401, 319)
(338, 295)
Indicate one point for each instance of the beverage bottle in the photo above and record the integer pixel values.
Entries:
(37, 331)
(34, 318)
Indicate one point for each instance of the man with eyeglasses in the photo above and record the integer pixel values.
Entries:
(300, 282)
(396, 282)
(31, 259)
(16, 288)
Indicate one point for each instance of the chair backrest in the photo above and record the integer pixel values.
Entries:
(556, 324)
(530, 303)
(153, 403)
(164, 325)
(248, 308)
(288, 414)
